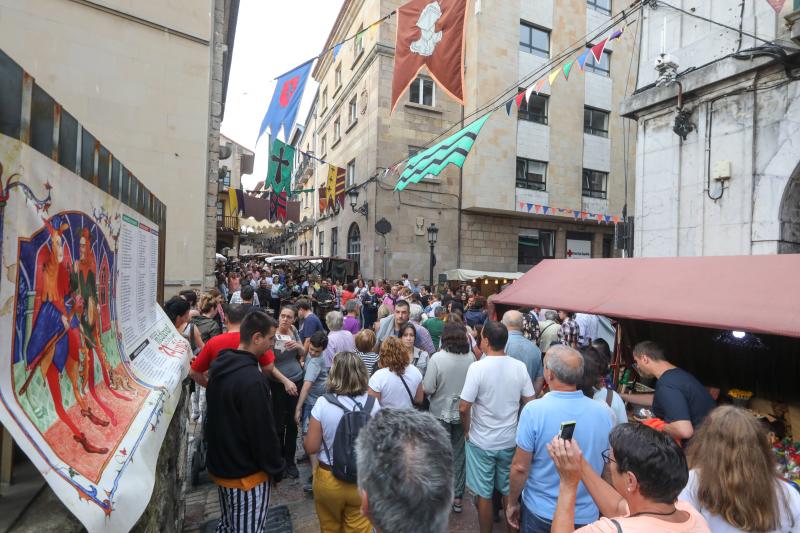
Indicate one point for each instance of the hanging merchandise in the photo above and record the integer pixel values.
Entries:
(285, 102)
(430, 34)
(432, 161)
(279, 172)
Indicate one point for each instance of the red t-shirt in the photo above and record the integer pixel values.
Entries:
(225, 341)
(346, 297)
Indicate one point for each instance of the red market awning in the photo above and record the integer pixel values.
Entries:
(757, 294)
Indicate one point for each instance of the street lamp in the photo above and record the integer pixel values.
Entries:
(353, 195)
(433, 232)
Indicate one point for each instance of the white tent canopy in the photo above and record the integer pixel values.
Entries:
(462, 274)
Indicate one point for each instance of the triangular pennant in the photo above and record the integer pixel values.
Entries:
(576, 214)
(597, 50)
(615, 219)
(582, 59)
(522, 205)
(539, 85)
(607, 218)
(599, 218)
(529, 207)
(520, 97)
(777, 5)
(584, 215)
(537, 207)
(430, 34)
(616, 35)
(336, 50)
(567, 68)
(544, 209)
(508, 106)
(528, 94)
(553, 76)
(453, 150)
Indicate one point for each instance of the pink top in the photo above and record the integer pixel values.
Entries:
(651, 524)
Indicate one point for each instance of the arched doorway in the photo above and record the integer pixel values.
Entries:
(790, 216)
(354, 244)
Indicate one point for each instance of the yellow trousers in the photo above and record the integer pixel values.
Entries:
(338, 505)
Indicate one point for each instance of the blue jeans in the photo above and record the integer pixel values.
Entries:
(532, 523)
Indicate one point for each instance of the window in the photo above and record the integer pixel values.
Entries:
(321, 240)
(324, 144)
(324, 99)
(534, 246)
(354, 244)
(595, 183)
(350, 176)
(531, 174)
(220, 211)
(358, 42)
(338, 76)
(534, 110)
(595, 121)
(603, 6)
(337, 129)
(602, 67)
(422, 92)
(534, 40)
(334, 241)
(352, 110)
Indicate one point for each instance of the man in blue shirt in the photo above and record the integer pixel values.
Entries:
(522, 349)
(311, 322)
(540, 421)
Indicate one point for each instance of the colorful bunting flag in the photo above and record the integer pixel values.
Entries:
(539, 85)
(615, 219)
(544, 209)
(617, 34)
(584, 214)
(279, 172)
(336, 50)
(529, 207)
(597, 50)
(453, 150)
(430, 34)
(777, 5)
(522, 205)
(528, 94)
(537, 207)
(552, 77)
(285, 102)
(576, 214)
(508, 106)
(520, 97)
(582, 59)
(567, 68)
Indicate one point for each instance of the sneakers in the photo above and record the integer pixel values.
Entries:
(291, 472)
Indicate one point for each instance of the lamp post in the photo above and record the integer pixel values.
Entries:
(433, 232)
(353, 195)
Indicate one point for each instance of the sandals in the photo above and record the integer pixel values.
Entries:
(458, 507)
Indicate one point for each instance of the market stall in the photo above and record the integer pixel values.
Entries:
(733, 322)
(486, 283)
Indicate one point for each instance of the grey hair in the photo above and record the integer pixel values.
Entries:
(566, 363)
(439, 310)
(335, 320)
(513, 319)
(550, 315)
(351, 306)
(415, 312)
(405, 465)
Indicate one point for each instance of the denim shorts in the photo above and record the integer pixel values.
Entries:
(488, 470)
(304, 417)
(533, 523)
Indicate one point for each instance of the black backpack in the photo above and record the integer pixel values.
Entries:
(343, 461)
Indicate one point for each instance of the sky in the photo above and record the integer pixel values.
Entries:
(272, 37)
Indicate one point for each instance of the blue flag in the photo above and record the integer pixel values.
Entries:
(286, 101)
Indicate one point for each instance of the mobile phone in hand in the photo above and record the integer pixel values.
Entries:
(567, 429)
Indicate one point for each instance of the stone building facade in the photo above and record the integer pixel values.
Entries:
(483, 212)
(149, 78)
(732, 186)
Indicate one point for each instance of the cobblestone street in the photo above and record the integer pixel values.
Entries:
(202, 506)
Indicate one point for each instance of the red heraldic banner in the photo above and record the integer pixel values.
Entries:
(430, 34)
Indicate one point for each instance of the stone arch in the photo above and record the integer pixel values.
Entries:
(790, 216)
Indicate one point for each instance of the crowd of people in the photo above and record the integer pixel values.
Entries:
(410, 403)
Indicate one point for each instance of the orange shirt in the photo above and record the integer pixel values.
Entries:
(651, 524)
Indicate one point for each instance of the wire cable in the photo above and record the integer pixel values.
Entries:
(712, 21)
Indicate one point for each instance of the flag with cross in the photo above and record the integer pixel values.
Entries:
(279, 172)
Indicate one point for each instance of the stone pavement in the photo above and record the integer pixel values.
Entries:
(202, 506)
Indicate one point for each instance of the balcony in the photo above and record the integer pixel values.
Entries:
(228, 223)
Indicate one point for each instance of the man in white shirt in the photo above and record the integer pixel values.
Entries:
(405, 281)
(490, 401)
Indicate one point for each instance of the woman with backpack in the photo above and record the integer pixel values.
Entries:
(336, 419)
